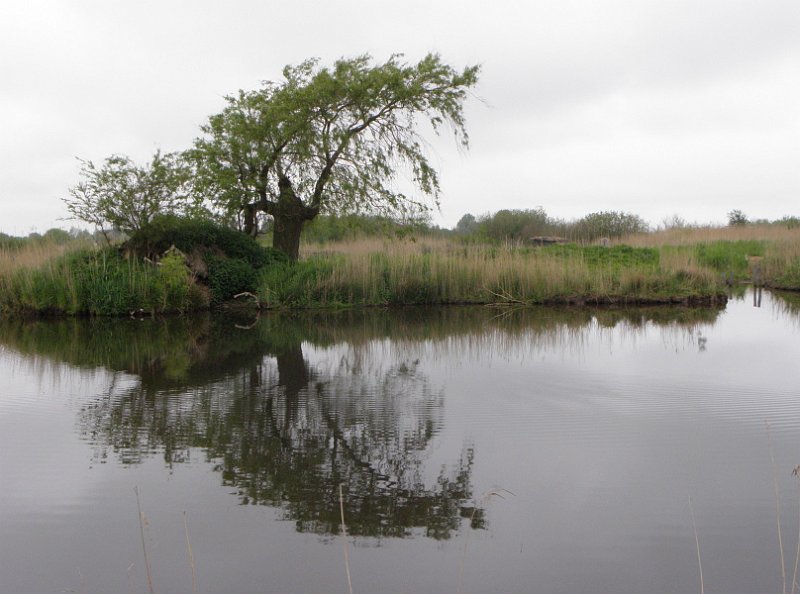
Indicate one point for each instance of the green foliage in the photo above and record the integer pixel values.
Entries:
(50, 237)
(467, 225)
(125, 196)
(331, 139)
(736, 218)
(199, 235)
(791, 222)
(301, 284)
(608, 224)
(57, 236)
(521, 225)
(228, 277)
(9, 242)
(615, 257)
(101, 282)
(789, 277)
(515, 225)
(328, 228)
(729, 256)
(173, 286)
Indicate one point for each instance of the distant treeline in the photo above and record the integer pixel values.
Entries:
(52, 236)
(503, 226)
(511, 226)
(516, 226)
(522, 225)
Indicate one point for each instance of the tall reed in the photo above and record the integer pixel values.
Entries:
(437, 271)
(97, 282)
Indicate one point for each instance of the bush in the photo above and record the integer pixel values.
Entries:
(516, 225)
(608, 224)
(200, 236)
(736, 218)
(173, 287)
(230, 276)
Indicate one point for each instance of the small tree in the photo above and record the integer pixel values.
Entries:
(329, 140)
(515, 225)
(609, 224)
(736, 218)
(467, 225)
(124, 196)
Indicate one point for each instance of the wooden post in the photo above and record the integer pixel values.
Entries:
(754, 266)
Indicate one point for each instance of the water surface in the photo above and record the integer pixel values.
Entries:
(476, 449)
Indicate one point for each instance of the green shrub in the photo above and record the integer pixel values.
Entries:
(607, 224)
(230, 276)
(200, 235)
(172, 286)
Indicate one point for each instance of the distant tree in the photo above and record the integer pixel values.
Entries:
(674, 221)
(10, 242)
(121, 195)
(736, 218)
(325, 228)
(467, 225)
(791, 222)
(58, 236)
(515, 225)
(329, 140)
(609, 224)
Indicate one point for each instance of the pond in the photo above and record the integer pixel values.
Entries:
(469, 450)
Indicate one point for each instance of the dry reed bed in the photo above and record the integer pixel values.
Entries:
(372, 271)
(700, 235)
(684, 265)
(35, 255)
(778, 259)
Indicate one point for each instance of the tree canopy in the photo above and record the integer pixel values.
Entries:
(125, 196)
(330, 139)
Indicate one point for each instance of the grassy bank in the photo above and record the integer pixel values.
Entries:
(91, 281)
(774, 249)
(691, 266)
(374, 272)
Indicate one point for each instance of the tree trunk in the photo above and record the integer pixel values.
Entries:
(295, 376)
(250, 220)
(290, 214)
(286, 234)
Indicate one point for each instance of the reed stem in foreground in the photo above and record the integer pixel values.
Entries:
(189, 553)
(697, 543)
(796, 472)
(777, 506)
(144, 547)
(482, 501)
(344, 542)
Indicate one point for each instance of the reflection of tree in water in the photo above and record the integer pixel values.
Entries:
(287, 433)
(291, 436)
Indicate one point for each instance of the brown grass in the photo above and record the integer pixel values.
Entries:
(31, 256)
(439, 270)
(695, 235)
(461, 273)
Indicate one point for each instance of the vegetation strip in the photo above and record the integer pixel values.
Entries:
(175, 265)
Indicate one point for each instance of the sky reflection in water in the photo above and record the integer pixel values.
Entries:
(601, 422)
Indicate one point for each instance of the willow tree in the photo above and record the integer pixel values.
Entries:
(331, 139)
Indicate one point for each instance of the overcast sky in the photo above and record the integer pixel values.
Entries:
(651, 107)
